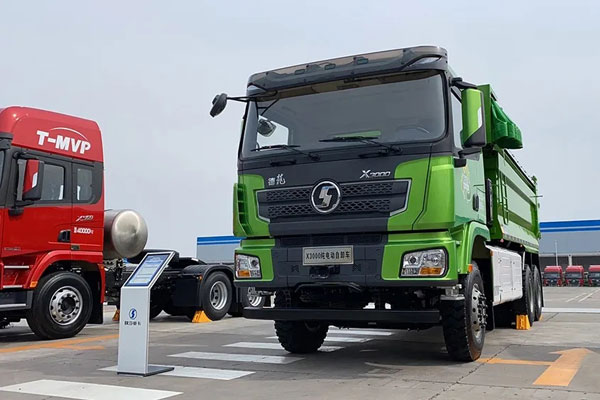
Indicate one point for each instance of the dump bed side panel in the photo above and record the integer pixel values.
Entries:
(515, 208)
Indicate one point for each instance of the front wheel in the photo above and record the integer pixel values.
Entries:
(62, 306)
(464, 321)
(216, 295)
(300, 336)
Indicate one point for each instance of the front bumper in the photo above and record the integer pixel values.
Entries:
(341, 316)
(377, 261)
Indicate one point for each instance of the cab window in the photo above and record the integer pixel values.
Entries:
(83, 185)
(53, 188)
(456, 119)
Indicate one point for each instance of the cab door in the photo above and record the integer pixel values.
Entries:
(88, 207)
(45, 225)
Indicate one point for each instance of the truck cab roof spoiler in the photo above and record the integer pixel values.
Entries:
(412, 58)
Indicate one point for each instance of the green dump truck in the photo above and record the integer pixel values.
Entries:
(377, 190)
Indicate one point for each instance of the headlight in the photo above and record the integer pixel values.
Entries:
(247, 267)
(424, 263)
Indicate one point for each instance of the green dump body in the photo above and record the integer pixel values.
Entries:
(514, 200)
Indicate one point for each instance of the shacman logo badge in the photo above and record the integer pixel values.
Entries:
(133, 313)
(62, 142)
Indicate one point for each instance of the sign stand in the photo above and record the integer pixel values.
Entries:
(135, 316)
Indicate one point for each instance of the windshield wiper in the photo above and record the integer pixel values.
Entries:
(291, 147)
(363, 139)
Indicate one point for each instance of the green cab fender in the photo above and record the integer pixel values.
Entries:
(466, 236)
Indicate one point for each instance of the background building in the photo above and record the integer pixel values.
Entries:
(570, 243)
(562, 243)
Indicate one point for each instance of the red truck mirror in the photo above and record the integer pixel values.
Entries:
(32, 180)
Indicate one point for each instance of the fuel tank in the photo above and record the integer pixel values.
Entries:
(125, 234)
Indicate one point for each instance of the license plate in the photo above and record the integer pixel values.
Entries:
(328, 255)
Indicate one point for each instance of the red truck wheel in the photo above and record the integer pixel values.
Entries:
(62, 306)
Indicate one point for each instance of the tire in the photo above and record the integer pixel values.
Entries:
(300, 337)
(538, 290)
(251, 299)
(155, 310)
(248, 298)
(526, 304)
(463, 321)
(64, 292)
(216, 296)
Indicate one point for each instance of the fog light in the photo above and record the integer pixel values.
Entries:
(247, 267)
(424, 263)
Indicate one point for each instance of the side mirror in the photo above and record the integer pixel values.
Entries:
(32, 180)
(473, 132)
(218, 104)
(265, 127)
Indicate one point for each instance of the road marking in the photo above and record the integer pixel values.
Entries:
(558, 373)
(512, 362)
(343, 339)
(238, 357)
(575, 297)
(563, 370)
(359, 332)
(573, 310)
(59, 344)
(86, 391)
(197, 372)
(275, 346)
(588, 296)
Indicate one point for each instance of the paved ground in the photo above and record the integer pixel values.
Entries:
(558, 358)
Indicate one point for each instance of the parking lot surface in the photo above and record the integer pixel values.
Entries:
(558, 358)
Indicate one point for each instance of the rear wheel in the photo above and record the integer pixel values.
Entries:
(537, 284)
(155, 310)
(464, 321)
(62, 306)
(216, 295)
(248, 298)
(526, 304)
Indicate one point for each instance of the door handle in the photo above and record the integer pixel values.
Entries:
(64, 236)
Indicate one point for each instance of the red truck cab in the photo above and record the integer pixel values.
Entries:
(553, 275)
(594, 275)
(51, 221)
(574, 275)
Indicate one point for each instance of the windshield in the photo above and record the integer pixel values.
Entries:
(595, 274)
(393, 109)
(551, 275)
(575, 275)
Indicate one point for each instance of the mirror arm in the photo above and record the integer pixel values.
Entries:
(459, 83)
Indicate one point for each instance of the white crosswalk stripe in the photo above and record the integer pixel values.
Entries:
(86, 391)
(255, 358)
(275, 346)
(197, 372)
(344, 339)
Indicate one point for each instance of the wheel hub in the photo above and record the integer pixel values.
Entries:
(478, 312)
(253, 298)
(218, 295)
(65, 305)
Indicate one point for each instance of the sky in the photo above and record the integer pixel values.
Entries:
(147, 71)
